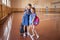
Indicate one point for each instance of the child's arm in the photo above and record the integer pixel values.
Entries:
(24, 15)
(33, 19)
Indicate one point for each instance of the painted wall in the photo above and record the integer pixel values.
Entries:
(16, 4)
(0, 1)
(39, 3)
(5, 9)
(57, 3)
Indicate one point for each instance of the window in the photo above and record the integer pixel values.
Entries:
(4, 2)
(8, 3)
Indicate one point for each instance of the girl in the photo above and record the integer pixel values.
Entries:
(25, 20)
(31, 20)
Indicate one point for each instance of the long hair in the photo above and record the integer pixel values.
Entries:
(34, 9)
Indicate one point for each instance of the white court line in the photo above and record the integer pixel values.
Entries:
(8, 29)
(9, 24)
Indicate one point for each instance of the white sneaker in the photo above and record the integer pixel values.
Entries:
(37, 36)
(24, 35)
(28, 33)
(31, 37)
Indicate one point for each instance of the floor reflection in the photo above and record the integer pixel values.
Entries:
(48, 28)
(7, 28)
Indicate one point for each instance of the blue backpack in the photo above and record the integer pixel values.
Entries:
(22, 28)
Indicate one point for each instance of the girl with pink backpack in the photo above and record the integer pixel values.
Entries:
(33, 21)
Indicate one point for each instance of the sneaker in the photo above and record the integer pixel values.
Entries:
(24, 35)
(31, 37)
(28, 33)
(37, 36)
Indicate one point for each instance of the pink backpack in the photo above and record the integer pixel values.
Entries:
(36, 20)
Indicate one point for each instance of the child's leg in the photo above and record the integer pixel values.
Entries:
(28, 29)
(35, 31)
(25, 31)
(31, 36)
(24, 28)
